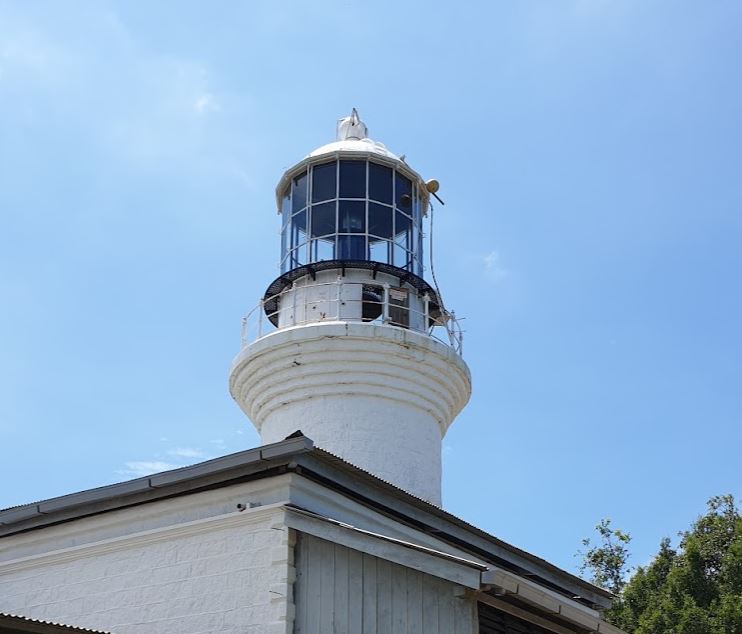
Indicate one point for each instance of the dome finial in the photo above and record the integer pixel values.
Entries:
(351, 127)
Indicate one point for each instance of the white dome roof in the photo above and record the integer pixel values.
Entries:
(352, 139)
(354, 145)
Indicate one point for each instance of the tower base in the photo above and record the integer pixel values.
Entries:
(378, 396)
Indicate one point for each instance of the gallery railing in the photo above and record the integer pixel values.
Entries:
(348, 301)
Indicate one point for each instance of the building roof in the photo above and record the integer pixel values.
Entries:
(354, 145)
(297, 454)
(16, 623)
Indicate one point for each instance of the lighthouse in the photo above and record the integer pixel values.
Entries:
(336, 529)
(350, 344)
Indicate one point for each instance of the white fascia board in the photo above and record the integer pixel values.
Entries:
(138, 539)
(405, 554)
(157, 514)
(547, 600)
(313, 496)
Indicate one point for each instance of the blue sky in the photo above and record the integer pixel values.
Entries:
(589, 156)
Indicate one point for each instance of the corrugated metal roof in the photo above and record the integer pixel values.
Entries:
(121, 490)
(464, 524)
(294, 453)
(28, 624)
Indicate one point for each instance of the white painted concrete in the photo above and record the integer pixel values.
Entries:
(194, 564)
(380, 397)
(332, 297)
(230, 573)
(158, 515)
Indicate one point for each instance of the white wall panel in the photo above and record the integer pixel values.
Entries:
(343, 591)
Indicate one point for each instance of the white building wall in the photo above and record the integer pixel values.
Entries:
(227, 573)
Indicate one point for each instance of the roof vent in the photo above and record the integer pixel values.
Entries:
(351, 128)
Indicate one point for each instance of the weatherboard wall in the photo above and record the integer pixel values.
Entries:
(338, 589)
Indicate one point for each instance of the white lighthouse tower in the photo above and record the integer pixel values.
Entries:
(350, 344)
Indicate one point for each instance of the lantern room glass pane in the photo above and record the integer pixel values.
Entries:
(416, 203)
(299, 192)
(416, 246)
(402, 230)
(352, 216)
(352, 248)
(380, 179)
(352, 210)
(352, 179)
(401, 257)
(299, 228)
(323, 219)
(380, 220)
(299, 256)
(286, 207)
(403, 193)
(379, 250)
(323, 250)
(324, 182)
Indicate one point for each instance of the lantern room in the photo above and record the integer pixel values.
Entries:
(353, 208)
(352, 241)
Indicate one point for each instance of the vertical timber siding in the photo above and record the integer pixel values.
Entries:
(339, 590)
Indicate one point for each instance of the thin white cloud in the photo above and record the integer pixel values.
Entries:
(206, 103)
(137, 469)
(182, 456)
(140, 104)
(186, 452)
(494, 267)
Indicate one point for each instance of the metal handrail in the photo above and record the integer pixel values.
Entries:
(257, 324)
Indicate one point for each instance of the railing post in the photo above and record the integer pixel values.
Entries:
(243, 332)
(261, 310)
(426, 304)
(283, 314)
(338, 295)
(451, 328)
(385, 307)
(293, 304)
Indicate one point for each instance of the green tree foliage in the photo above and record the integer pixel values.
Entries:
(696, 589)
(607, 561)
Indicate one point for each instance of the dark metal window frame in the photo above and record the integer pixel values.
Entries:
(301, 244)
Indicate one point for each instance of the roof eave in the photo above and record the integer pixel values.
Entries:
(299, 455)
